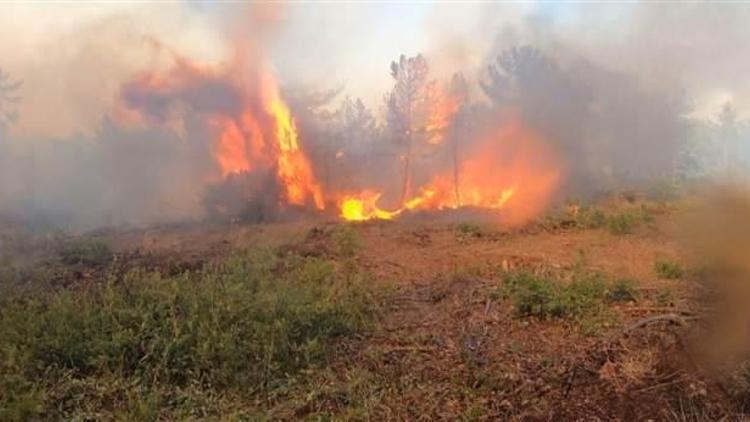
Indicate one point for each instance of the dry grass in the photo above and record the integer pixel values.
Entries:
(481, 323)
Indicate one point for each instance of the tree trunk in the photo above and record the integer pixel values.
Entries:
(405, 189)
(456, 189)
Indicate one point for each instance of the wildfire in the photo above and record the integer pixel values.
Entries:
(444, 108)
(294, 169)
(519, 183)
(364, 207)
(254, 126)
(230, 149)
(506, 167)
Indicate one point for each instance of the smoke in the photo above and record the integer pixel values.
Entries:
(121, 108)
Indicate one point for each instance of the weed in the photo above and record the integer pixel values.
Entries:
(622, 290)
(647, 213)
(595, 323)
(347, 241)
(618, 223)
(241, 325)
(583, 300)
(664, 298)
(86, 251)
(590, 218)
(621, 223)
(669, 270)
(466, 230)
(543, 297)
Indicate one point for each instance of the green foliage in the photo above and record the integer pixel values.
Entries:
(664, 298)
(466, 230)
(619, 222)
(590, 218)
(594, 323)
(667, 269)
(347, 241)
(86, 251)
(242, 326)
(622, 290)
(583, 300)
(544, 297)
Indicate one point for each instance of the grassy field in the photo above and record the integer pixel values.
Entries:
(584, 314)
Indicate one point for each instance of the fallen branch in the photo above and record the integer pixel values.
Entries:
(659, 309)
(673, 318)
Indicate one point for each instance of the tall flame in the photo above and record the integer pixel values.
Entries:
(506, 167)
(293, 167)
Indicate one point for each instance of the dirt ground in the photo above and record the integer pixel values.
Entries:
(448, 347)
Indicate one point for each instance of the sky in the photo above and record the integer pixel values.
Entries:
(73, 56)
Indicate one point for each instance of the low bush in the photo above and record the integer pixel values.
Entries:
(544, 297)
(590, 218)
(243, 326)
(347, 241)
(622, 290)
(86, 251)
(466, 230)
(583, 300)
(669, 270)
(619, 222)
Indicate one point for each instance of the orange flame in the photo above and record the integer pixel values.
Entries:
(518, 177)
(506, 168)
(255, 127)
(294, 169)
(363, 207)
(230, 149)
(441, 115)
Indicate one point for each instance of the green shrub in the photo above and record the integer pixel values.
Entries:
(622, 290)
(466, 230)
(543, 297)
(667, 269)
(664, 298)
(590, 218)
(621, 223)
(532, 295)
(244, 325)
(86, 251)
(347, 241)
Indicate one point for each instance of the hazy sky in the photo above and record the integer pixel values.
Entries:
(73, 56)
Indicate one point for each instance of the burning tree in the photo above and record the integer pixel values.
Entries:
(408, 110)
(354, 131)
(458, 91)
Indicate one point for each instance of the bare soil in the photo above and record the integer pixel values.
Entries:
(449, 347)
